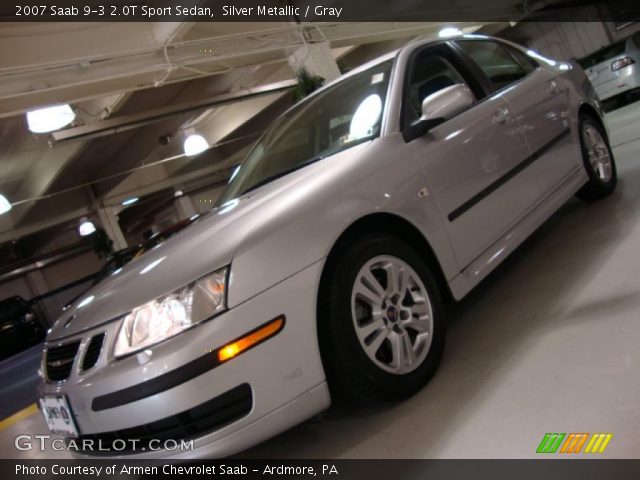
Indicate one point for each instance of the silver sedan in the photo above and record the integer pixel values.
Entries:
(321, 273)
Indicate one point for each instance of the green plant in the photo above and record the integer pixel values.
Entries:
(307, 84)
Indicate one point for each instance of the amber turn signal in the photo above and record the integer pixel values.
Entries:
(259, 335)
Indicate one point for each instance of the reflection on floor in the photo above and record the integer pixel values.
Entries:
(549, 343)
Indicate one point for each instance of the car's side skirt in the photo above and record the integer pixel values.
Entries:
(472, 274)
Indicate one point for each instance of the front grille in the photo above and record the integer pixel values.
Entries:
(196, 422)
(59, 361)
(92, 352)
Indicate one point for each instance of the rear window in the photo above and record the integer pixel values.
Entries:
(603, 55)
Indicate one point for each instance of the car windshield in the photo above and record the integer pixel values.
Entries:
(340, 117)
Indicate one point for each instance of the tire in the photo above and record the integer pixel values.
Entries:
(598, 160)
(354, 375)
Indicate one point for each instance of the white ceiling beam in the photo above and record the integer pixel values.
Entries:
(22, 86)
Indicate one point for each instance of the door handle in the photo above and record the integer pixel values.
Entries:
(552, 87)
(501, 116)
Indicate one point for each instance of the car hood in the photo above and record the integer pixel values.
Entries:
(205, 246)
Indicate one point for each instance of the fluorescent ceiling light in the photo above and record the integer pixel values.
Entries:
(5, 206)
(195, 144)
(86, 228)
(449, 32)
(130, 201)
(49, 119)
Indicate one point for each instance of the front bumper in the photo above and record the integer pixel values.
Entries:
(277, 384)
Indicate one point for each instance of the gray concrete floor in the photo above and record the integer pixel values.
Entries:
(549, 343)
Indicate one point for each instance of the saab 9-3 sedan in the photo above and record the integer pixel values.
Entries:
(321, 273)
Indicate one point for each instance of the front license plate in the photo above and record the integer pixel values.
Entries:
(58, 415)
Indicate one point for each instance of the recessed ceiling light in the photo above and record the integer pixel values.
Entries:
(86, 228)
(449, 32)
(49, 119)
(195, 144)
(130, 201)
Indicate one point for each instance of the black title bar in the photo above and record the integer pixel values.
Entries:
(311, 10)
(548, 469)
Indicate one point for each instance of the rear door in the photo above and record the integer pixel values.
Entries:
(472, 160)
(537, 96)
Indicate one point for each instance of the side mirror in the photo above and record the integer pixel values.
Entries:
(447, 103)
(439, 107)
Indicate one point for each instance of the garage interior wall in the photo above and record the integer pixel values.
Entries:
(573, 36)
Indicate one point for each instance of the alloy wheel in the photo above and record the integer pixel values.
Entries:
(392, 314)
(598, 152)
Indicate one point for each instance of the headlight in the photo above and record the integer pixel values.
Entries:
(171, 314)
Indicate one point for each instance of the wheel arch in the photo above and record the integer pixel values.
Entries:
(396, 226)
(373, 223)
(590, 110)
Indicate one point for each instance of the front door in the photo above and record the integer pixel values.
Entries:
(471, 161)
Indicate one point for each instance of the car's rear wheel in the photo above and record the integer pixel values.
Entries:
(598, 161)
(381, 321)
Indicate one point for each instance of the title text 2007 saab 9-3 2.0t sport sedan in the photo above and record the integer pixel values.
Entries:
(321, 272)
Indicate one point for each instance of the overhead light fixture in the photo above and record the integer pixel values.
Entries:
(130, 201)
(86, 227)
(366, 117)
(449, 32)
(178, 193)
(49, 119)
(195, 144)
(5, 206)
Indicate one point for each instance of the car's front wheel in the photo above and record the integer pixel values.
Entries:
(381, 321)
(598, 160)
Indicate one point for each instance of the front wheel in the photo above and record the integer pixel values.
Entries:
(381, 322)
(598, 161)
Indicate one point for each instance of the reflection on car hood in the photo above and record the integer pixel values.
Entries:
(203, 247)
